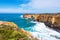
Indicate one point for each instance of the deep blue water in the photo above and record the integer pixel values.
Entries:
(21, 22)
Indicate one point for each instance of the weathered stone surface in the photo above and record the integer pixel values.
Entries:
(46, 18)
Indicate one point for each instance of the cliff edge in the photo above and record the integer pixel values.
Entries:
(10, 31)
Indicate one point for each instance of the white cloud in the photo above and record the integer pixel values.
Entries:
(19, 10)
(36, 6)
(9, 10)
(42, 4)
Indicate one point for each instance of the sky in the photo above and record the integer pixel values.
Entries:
(29, 6)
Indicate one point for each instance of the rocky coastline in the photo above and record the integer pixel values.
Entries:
(10, 31)
(50, 20)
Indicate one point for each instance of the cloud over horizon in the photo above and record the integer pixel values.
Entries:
(37, 6)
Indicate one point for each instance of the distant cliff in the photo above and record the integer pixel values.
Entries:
(46, 18)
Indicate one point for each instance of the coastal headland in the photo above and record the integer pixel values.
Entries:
(52, 20)
(10, 31)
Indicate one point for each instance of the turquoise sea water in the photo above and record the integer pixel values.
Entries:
(37, 29)
(16, 18)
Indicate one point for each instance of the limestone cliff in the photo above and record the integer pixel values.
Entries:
(46, 18)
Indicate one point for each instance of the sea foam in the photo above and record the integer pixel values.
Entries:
(42, 32)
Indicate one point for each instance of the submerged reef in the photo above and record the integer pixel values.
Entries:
(10, 31)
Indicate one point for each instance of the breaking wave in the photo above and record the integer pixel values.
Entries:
(42, 32)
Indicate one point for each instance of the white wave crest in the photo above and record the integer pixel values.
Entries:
(42, 32)
(21, 16)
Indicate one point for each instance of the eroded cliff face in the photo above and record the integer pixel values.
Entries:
(49, 18)
(30, 15)
(10, 31)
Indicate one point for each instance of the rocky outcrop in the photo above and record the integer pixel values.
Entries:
(48, 19)
(10, 31)
(31, 15)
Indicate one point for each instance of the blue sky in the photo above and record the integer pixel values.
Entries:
(12, 3)
(29, 6)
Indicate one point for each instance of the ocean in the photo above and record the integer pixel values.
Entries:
(17, 19)
(37, 29)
